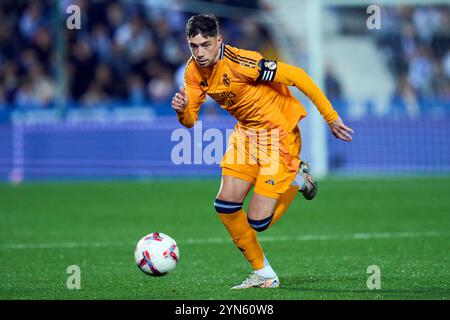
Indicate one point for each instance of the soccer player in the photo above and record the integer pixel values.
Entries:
(264, 149)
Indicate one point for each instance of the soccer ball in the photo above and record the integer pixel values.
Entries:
(156, 254)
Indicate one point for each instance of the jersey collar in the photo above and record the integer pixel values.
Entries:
(222, 47)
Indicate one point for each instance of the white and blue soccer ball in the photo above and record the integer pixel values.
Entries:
(157, 254)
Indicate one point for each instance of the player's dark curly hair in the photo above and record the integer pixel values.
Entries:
(206, 25)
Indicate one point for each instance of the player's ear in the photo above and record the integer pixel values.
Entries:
(219, 39)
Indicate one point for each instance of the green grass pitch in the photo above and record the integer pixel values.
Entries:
(320, 249)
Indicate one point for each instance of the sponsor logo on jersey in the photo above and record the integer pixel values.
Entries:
(224, 98)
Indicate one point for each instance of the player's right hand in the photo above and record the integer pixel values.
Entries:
(180, 101)
(340, 130)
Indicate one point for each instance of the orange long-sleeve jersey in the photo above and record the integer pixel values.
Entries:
(253, 90)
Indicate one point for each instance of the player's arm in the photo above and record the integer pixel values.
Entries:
(187, 102)
(283, 73)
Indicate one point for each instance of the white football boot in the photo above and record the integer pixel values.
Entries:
(255, 281)
(305, 182)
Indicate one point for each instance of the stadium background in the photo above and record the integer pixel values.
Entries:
(81, 109)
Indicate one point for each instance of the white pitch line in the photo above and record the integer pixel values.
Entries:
(355, 236)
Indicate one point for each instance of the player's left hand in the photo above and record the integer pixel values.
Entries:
(340, 130)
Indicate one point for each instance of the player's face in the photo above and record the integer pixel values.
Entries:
(205, 50)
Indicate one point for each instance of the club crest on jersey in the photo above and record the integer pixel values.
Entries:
(226, 80)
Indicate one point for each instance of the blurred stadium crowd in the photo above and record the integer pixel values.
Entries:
(415, 41)
(126, 52)
(419, 51)
(134, 54)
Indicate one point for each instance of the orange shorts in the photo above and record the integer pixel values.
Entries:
(267, 159)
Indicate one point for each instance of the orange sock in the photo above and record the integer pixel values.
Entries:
(244, 237)
(283, 203)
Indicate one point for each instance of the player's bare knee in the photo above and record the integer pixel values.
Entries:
(228, 194)
(261, 207)
(233, 189)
